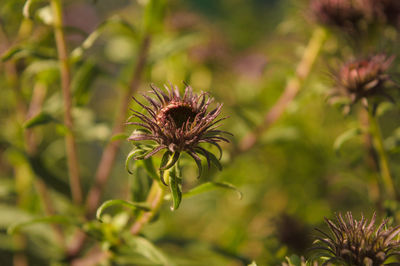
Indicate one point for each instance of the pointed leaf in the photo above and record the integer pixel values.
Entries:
(132, 205)
(174, 185)
(144, 247)
(205, 187)
(40, 119)
(346, 136)
(164, 161)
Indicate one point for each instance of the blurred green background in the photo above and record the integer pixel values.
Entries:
(241, 51)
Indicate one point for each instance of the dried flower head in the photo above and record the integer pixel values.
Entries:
(179, 124)
(343, 14)
(353, 242)
(365, 78)
(386, 11)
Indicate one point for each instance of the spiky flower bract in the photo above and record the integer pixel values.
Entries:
(366, 79)
(352, 242)
(179, 124)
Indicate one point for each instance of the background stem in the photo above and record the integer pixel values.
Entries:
(110, 152)
(72, 158)
(292, 88)
(154, 199)
(384, 169)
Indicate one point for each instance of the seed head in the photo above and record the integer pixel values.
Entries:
(352, 242)
(364, 78)
(179, 124)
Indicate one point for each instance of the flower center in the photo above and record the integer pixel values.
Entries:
(180, 114)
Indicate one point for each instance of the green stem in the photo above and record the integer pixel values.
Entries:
(292, 88)
(154, 199)
(62, 50)
(384, 169)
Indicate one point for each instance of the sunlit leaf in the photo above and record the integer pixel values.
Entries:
(205, 187)
(132, 205)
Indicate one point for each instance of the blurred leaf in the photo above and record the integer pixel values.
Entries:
(253, 263)
(10, 53)
(174, 186)
(10, 215)
(58, 219)
(50, 179)
(384, 107)
(120, 136)
(83, 80)
(40, 119)
(45, 15)
(154, 15)
(150, 169)
(132, 205)
(26, 11)
(91, 39)
(166, 48)
(205, 187)
(344, 137)
(145, 248)
(42, 65)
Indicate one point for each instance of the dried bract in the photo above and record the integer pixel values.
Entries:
(353, 242)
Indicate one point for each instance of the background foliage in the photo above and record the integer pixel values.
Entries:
(244, 53)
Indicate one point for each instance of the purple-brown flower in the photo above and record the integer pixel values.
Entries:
(364, 78)
(179, 124)
(352, 242)
(343, 14)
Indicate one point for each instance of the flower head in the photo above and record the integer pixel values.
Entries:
(343, 14)
(386, 11)
(179, 124)
(365, 78)
(353, 242)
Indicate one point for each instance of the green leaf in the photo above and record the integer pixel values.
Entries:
(205, 187)
(58, 219)
(136, 154)
(154, 15)
(164, 161)
(26, 10)
(91, 39)
(144, 247)
(10, 53)
(132, 205)
(150, 169)
(40, 119)
(344, 137)
(120, 136)
(174, 186)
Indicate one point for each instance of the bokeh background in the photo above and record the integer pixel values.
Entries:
(244, 52)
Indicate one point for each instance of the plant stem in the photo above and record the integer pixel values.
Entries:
(292, 88)
(154, 199)
(384, 169)
(110, 152)
(72, 159)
